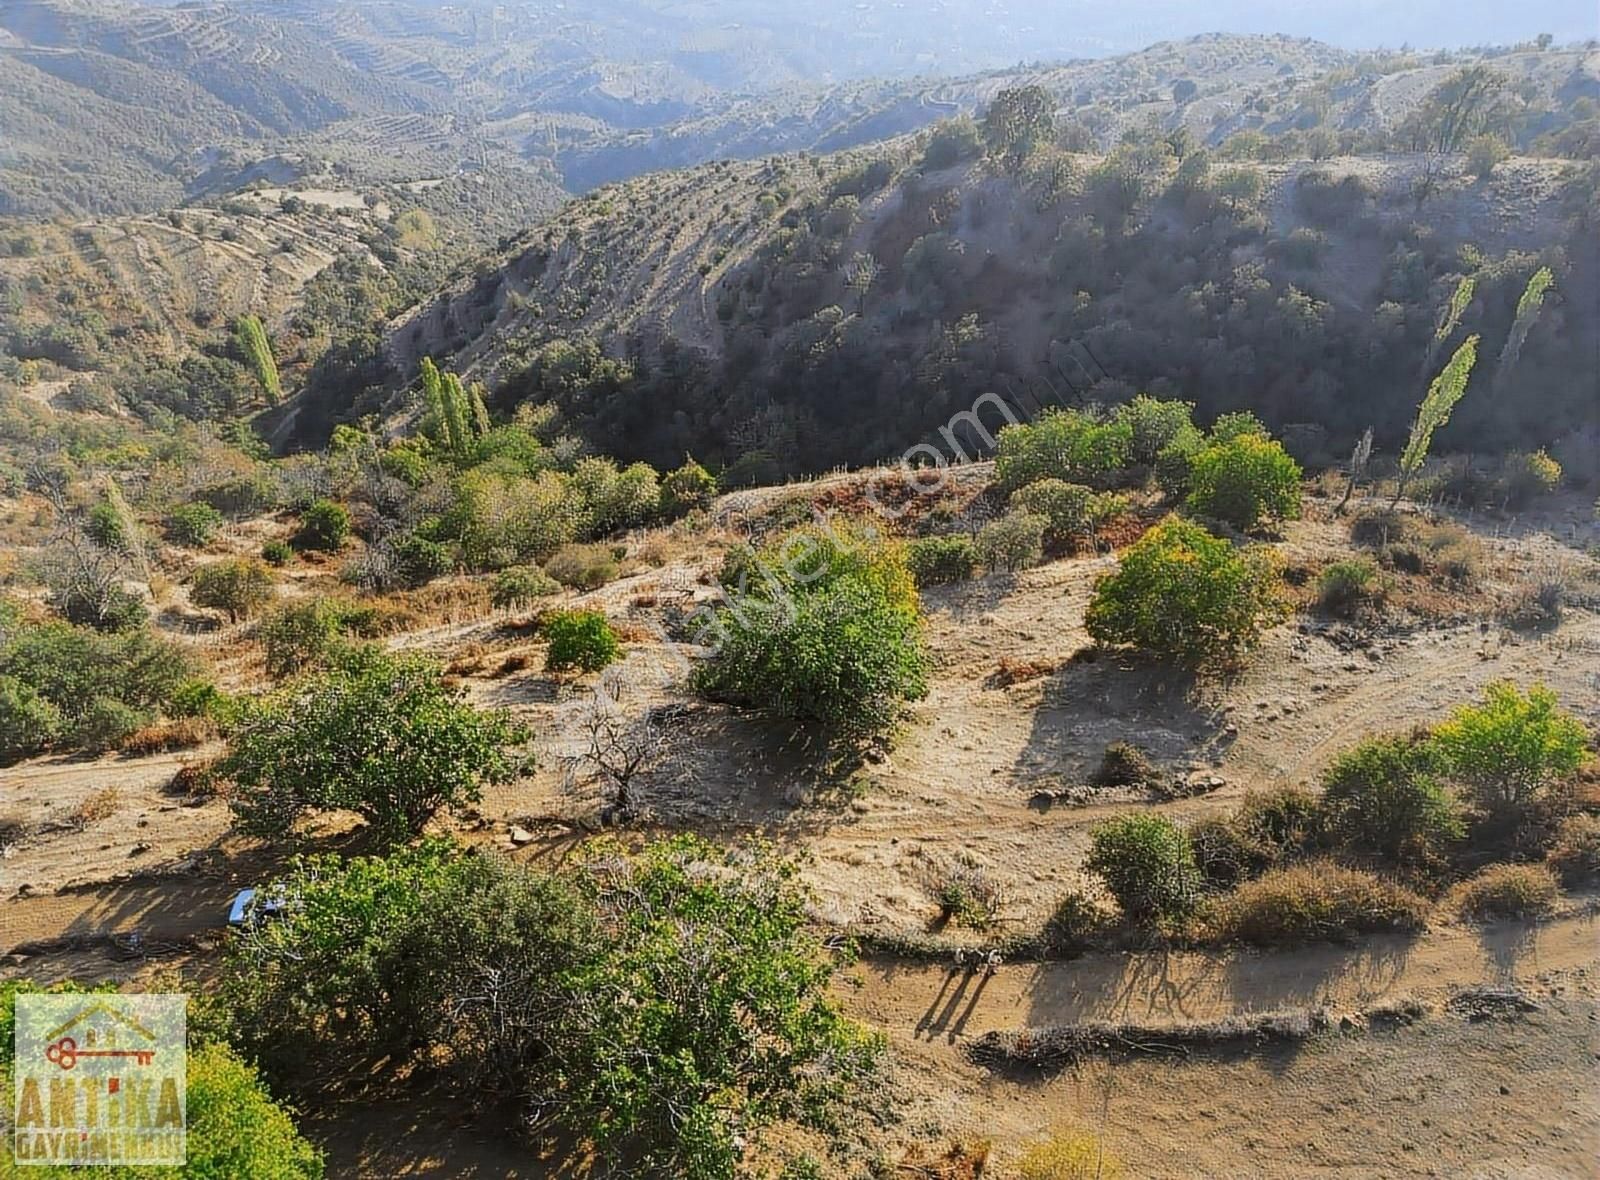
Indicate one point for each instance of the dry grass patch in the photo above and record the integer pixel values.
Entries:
(182, 733)
(1574, 855)
(1507, 892)
(1313, 901)
(101, 805)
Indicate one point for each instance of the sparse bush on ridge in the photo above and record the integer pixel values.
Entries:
(193, 525)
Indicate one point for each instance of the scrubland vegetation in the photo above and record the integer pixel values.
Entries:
(499, 603)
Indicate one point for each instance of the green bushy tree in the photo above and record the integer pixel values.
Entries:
(1148, 865)
(377, 734)
(323, 527)
(1182, 593)
(842, 649)
(687, 488)
(193, 525)
(579, 639)
(1245, 480)
(1511, 748)
(1387, 796)
(1065, 444)
(933, 560)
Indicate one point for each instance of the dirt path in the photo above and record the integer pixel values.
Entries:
(934, 1002)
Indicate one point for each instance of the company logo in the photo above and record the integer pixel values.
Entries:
(100, 1079)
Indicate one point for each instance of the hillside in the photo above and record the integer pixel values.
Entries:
(809, 311)
(116, 107)
(137, 312)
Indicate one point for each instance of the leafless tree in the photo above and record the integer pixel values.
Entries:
(618, 752)
(1359, 458)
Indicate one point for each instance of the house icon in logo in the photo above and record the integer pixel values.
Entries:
(99, 1030)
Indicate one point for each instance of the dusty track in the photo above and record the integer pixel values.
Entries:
(939, 1002)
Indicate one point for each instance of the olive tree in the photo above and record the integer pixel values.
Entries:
(378, 734)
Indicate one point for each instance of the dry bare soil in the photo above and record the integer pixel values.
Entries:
(1015, 710)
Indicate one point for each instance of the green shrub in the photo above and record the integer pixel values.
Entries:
(276, 552)
(1148, 865)
(1244, 481)
(583, 567)
(300, 635)
(580, 639)
(1574, 854)
(520, 586)
(522, 982)
(323, 527)
(1236, 424)
(1527, 476)
(1386, 797)
(1181, 593)
(506, 518)
(1155, 425)
(1508, 892)
(814, 556)
(1174, 463)
(67, 687)
(1315, 901)
(1344, 585)
(1072, 510)
(934, 560)
(839, 652)
(105, 722)
(1065, 444)
(107, 526)
(1510, 749)
(193, 525)
(1012, 542)
(686, 489)
(377, 734)
(28, 722)
(238, 585)
(419, 561)
(612, 499)
(1279, 824)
